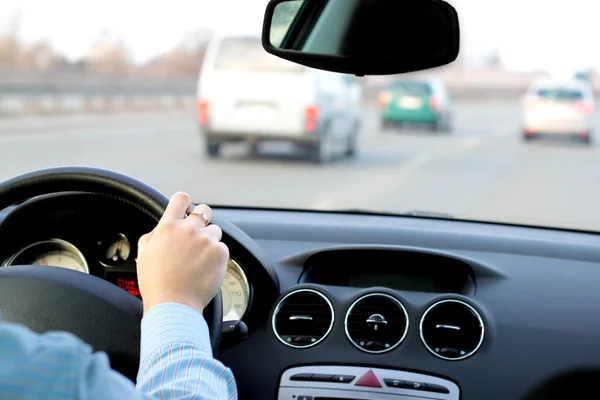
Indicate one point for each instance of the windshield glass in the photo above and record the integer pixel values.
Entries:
(182, 95)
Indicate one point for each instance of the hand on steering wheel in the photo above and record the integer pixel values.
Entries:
(182, 260)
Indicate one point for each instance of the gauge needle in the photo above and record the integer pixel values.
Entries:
(42, 261)
(119, 247)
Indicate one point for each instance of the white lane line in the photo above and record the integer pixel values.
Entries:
(371, 191)
(423, 159)
(469, 143)
(419, 161)
(323, 204)
(84, 133)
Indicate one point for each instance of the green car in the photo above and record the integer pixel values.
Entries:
(425, 102)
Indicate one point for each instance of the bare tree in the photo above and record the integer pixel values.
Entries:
(185, 59)
(10, 44)
(108, 55)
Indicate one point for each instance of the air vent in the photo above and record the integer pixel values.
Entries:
(452, 330)
(303, 318)
(376, 323)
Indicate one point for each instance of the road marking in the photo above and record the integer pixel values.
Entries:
(469, 143)
(84, 134)
(323, 204)
(425, 158)
(419, 161)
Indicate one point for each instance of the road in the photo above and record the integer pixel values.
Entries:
(482, 171)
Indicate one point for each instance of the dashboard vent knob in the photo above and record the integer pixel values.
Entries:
(452, 330)
(376, 323)
(303, 318)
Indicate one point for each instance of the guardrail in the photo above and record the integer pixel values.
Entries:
(44, 104)
(39, 98)
(48, 104)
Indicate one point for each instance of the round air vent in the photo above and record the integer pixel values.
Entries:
(303, 318)
(376, 323)
(452, 330)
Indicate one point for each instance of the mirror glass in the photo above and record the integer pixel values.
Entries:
(402, 29)
(283, 16)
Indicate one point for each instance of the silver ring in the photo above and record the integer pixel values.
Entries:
(202, 215)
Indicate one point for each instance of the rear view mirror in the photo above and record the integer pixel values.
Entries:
(362, 37)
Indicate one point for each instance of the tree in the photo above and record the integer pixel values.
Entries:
(185, 59)
(10, 44)
(108, 55)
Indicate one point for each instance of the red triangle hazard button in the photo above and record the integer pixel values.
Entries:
(369, 379)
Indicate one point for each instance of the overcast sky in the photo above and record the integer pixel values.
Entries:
(556, 35)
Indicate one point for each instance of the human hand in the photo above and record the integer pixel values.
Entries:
(182, 260)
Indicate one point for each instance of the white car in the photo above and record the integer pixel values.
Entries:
(558, 108)
(246, 94)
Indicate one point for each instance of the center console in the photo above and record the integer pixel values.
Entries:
(361, 383)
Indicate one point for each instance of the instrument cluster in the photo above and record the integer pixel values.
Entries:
(114, 255)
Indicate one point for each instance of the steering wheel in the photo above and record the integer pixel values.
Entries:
(50, 298)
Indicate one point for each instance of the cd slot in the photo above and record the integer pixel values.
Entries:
(338, 398)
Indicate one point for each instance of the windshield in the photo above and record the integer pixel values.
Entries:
(182, 95)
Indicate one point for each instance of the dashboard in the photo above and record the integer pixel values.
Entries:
(351, 306)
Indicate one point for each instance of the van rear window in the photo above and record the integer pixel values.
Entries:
(247, 54)
(415, 88)
(560, 94)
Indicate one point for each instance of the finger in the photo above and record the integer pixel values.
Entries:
(201, 209)
(224, 250)
(218, 256)
(177, 207)
(221, 254)
(144, 241)
(212, 231)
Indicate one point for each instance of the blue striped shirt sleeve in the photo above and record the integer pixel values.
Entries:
(176, 357)
(176, 363)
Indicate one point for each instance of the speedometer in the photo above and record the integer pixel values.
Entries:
(235, 291)
(52, 252)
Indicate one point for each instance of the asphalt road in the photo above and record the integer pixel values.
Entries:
(481, 171)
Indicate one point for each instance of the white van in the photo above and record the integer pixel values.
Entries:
(246, 94)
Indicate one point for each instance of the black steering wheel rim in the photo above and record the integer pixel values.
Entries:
(23, 290)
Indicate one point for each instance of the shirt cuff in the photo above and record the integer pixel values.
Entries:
(167, 323)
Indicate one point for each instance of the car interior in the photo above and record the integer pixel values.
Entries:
(321, 305)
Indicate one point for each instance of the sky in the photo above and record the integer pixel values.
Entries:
(559, 36)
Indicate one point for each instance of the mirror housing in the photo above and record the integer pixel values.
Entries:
(363, 37)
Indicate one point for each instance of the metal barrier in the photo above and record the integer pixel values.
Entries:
(60, 93)
(12, 105)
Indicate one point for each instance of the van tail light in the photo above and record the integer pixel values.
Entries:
(434, 103)
(311, 115)
(384, 99)
(584, 107)
(202, 106)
